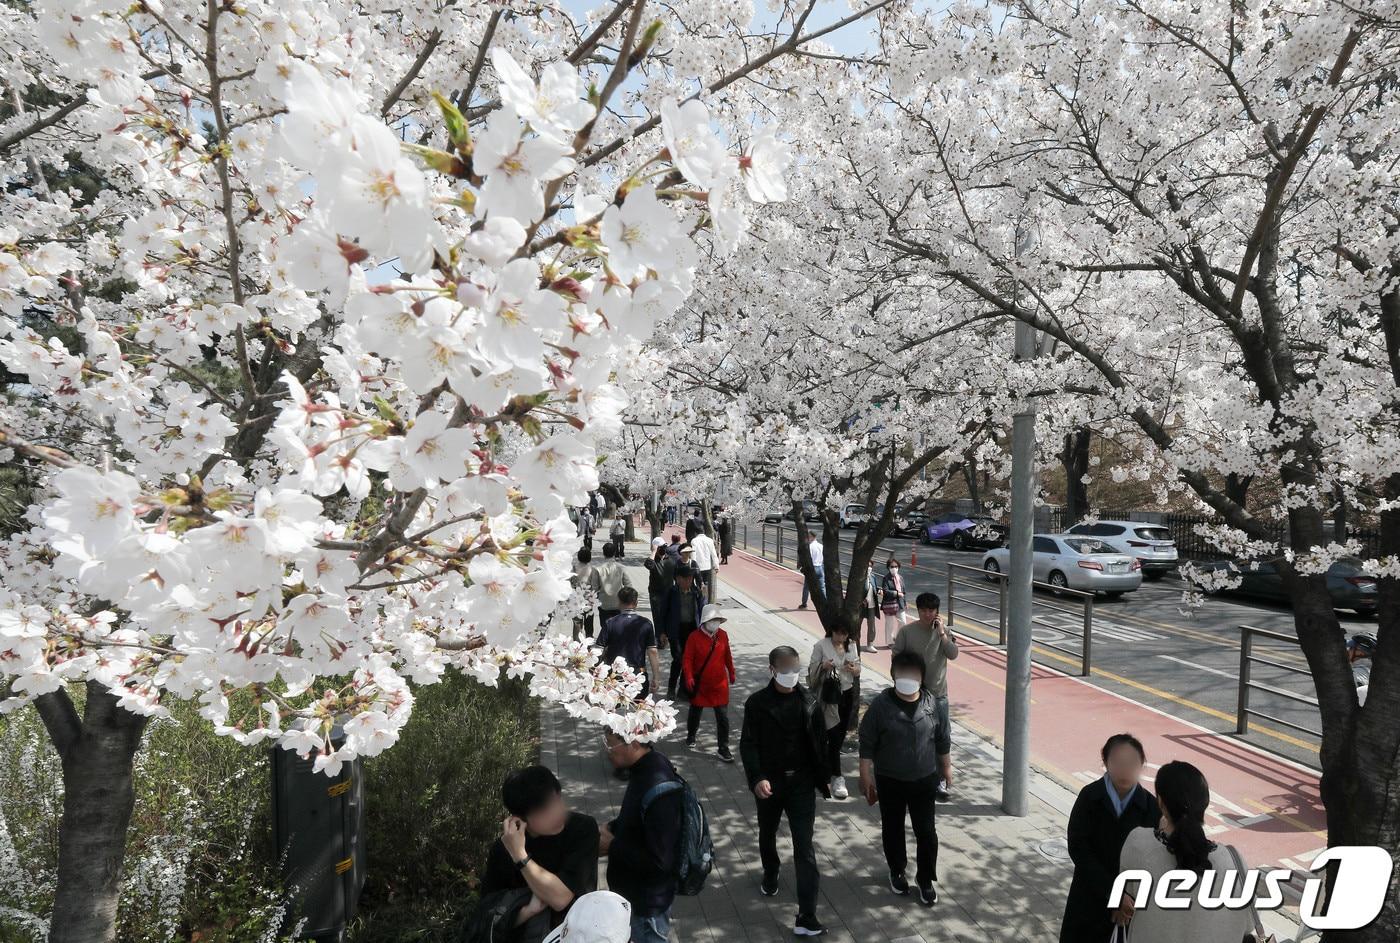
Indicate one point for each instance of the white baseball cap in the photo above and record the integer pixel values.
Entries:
(711, 613)
(658, 542)
(599, 917)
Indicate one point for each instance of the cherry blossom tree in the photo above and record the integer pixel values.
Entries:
(310, 378)
(1210, 196)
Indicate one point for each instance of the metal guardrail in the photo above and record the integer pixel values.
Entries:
(1248, 659)
(959, 575)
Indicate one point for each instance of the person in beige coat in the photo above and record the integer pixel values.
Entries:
(1179, 841)
(836, 657)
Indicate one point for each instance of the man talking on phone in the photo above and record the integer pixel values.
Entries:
(544, 847)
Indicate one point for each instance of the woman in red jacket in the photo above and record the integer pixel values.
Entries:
(707, 671)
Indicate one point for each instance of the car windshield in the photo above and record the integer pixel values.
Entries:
(1088, 545)
(1154, 533)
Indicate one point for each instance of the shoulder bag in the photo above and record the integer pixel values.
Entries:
(1258, 936)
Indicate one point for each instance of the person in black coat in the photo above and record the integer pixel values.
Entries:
(1105, 812)
(680, 616)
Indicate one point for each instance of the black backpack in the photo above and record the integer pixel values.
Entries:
(696, 856)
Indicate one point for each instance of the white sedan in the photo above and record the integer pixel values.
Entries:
(1071, 561)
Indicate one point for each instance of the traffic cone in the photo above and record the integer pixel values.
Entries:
(913, 558)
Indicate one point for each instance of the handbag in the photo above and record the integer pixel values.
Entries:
(890, 608)
(831, 689)
(1258, 936)
(687, 691)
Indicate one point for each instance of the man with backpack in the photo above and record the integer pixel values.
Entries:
(659, 844)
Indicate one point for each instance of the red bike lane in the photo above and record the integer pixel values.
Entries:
(1268, 807)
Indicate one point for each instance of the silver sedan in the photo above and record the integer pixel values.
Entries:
(1071, 561)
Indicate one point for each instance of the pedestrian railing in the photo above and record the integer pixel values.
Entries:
(1082, 610)
(1248, 659)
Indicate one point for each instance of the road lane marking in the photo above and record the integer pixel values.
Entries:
(1191, 664)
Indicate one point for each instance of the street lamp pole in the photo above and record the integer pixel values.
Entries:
(1015, 774)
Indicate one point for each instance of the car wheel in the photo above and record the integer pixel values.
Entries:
(1115, 593)
(992, 569)
(959, 541)
(1153, 575)
(1058, 581)
(925, 539)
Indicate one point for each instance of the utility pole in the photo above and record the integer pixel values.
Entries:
(1015, 774)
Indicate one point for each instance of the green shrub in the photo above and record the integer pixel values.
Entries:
(200, 864)
(433, 807)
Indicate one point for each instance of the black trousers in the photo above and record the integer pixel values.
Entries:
(584, 624)
(796, 796)
(677, 653)
(916, 797)
(692, 723)
(836, 736)
(604, 615)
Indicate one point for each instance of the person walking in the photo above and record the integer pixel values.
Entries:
(935, 644)
(1104, 814)
(543, 847)
(783, 744)
(725, 527)
(583, 577)
(674, 549)
(892, 600)
(661, 576)
(695, 525)
(708, 670)
(617, 534)
(586, 527)
(814, 547)
(870, 608)
(904, 752)
(606, 579)
(834, 674)
(684, 604)
(1178, 842)
(643, 844)
(705, 559)
(631, 637)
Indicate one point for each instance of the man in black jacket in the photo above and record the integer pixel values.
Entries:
(681, 616)
(661, 576)
(643, 844)
(783, 745)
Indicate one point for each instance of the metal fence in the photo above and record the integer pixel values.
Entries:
(1248, 659)
(1081, 607)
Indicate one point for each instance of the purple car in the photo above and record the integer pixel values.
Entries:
(963, 532)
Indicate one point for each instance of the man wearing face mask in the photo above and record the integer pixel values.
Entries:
(904, 747)
(782, 746)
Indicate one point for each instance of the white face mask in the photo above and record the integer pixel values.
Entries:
(786, 679)
(907, 686)
(711, 627)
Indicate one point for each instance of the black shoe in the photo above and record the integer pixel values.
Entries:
(725, 755)
(928, 895)
(690, 743)
(899, 883)
(808, 925)
(769, 887)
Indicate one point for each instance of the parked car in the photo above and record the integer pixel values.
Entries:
(1152, 544)
(853, 515)
(963, 532)
(1072, 561)
(1350, 586)
(810, 513)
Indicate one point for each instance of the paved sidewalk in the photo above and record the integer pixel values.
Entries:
(1001, 878)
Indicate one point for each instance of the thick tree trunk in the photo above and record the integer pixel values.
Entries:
(969, 470)
(1237, 488)
(98, 753)
(1075, 459)
(655, 517)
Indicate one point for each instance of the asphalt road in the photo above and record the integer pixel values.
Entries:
(1147, 645)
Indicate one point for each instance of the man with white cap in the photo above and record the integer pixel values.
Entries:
(599, 917)
(661, 576)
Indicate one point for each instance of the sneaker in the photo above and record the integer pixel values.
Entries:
(869, 649)
(689, 743)
(928, 895)
(899, 883)
(769, 887)
(808, 925)
(838, 787)
(725, 755)
(802, 606)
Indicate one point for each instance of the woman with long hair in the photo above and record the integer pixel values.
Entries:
(834, 675)
(1179, 842)
(892, 600)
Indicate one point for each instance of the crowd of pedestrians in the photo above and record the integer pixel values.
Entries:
(542, 873)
